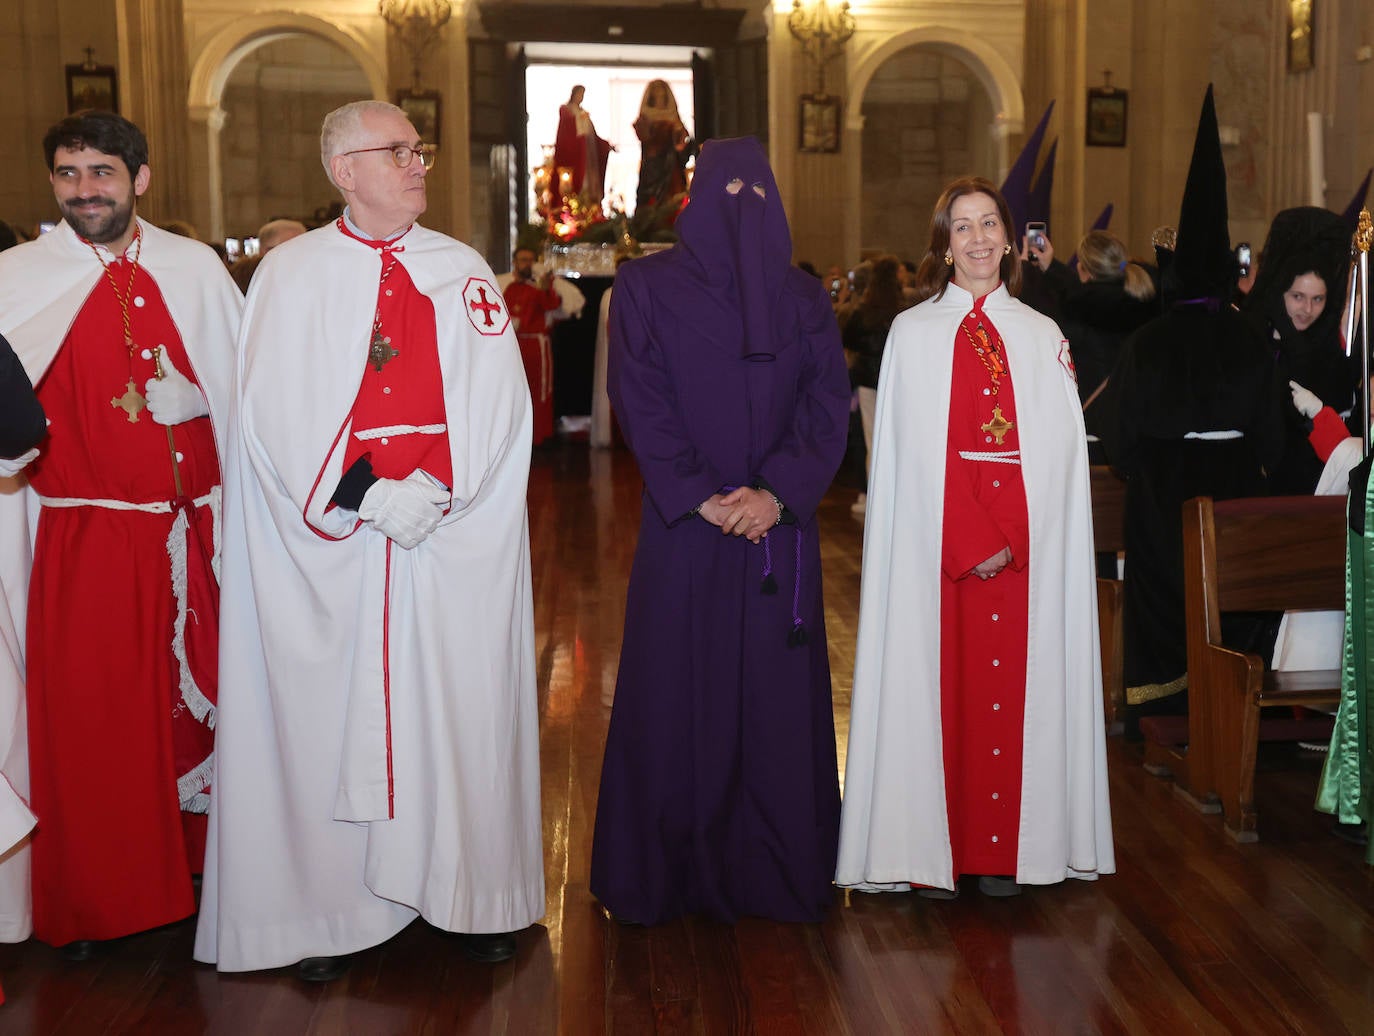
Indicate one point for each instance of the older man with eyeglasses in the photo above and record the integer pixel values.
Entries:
(378, 743)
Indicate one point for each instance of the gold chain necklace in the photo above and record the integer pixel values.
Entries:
(986, 348)
(132, 401)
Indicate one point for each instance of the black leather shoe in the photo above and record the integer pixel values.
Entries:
(999, 886)
(938, 893)
(81, 949)
(1355, 834)
(323, 969)
(486, 948)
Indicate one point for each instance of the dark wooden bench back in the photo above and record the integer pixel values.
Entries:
(1253, 554)
(1279, 553)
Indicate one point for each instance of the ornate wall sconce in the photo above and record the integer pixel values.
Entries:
(822, 31)
(416, 24)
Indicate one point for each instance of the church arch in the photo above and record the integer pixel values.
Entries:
(214, 62)
(992, 69)
(226, 48)
(1004, 115)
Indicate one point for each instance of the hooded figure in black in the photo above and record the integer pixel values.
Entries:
(1307, 257)
(1195, 409)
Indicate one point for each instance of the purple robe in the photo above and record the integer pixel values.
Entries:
(719, 792)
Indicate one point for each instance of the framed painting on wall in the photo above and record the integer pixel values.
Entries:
(422, 109)
(1106, 117)
(92, 86)
(819, 116)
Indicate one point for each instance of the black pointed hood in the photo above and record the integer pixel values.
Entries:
(1203, 265)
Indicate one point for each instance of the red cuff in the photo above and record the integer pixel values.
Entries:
(1328, 432)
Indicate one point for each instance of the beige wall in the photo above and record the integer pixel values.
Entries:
(925, 117)
(1022, 52)
(37, 39)
(270, 145)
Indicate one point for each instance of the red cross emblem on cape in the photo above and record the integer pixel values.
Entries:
(1066, 360)
(485, 307)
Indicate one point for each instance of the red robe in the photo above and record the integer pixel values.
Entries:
(529, 307)
(574, 151)
(983, 623)
(113, 853)
(406, 396)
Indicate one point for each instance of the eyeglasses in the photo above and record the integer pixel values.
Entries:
(402, 154)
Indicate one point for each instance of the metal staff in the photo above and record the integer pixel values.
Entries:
(1363, 238)
(159, 373)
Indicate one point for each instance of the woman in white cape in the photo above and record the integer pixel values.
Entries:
(976, 742)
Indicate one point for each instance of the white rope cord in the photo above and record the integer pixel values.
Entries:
(400, 429)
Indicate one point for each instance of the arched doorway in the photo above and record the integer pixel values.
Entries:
(986, 97)
(925, 121)
(273, 101)
(353, 60)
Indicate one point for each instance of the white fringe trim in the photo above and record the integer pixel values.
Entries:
(191, 787)
(216, 502)
(202, 708)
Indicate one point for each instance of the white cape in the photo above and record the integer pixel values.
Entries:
(324, 619)
(43, 285)
(893, 828)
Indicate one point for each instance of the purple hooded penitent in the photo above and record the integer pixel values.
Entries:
(719, 792)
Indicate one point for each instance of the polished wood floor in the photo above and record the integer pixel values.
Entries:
(1193, 934)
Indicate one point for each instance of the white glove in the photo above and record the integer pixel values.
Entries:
(175, 398)
(10, 468)
(1306, 401)
(405, 509)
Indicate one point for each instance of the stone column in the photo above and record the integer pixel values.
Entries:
(207, 193)
(153, 94)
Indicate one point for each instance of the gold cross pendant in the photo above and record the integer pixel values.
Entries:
(381, 353)
(131, 402)
(999, 426)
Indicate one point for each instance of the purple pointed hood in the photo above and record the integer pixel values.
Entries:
(1016, 188)
(734, 231)
(1038, 204)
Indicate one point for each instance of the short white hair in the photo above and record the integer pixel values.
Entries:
(343, 127)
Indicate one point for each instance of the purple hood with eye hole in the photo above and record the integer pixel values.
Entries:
(738, 243)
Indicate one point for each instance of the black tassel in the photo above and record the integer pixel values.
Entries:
(800, 634)
(769, 587)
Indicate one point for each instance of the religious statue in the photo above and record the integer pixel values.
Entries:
(579, 156)
(666, 148)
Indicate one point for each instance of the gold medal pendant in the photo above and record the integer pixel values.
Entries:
(380, 353)
(999, 426)
(131, 402)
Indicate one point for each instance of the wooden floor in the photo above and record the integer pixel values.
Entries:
(1192, 934)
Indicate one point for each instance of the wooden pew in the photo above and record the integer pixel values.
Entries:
(1109, 509)
(1252, 554)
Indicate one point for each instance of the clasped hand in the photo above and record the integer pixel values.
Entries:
(743, 512)
(406, 509)
(989, 568)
